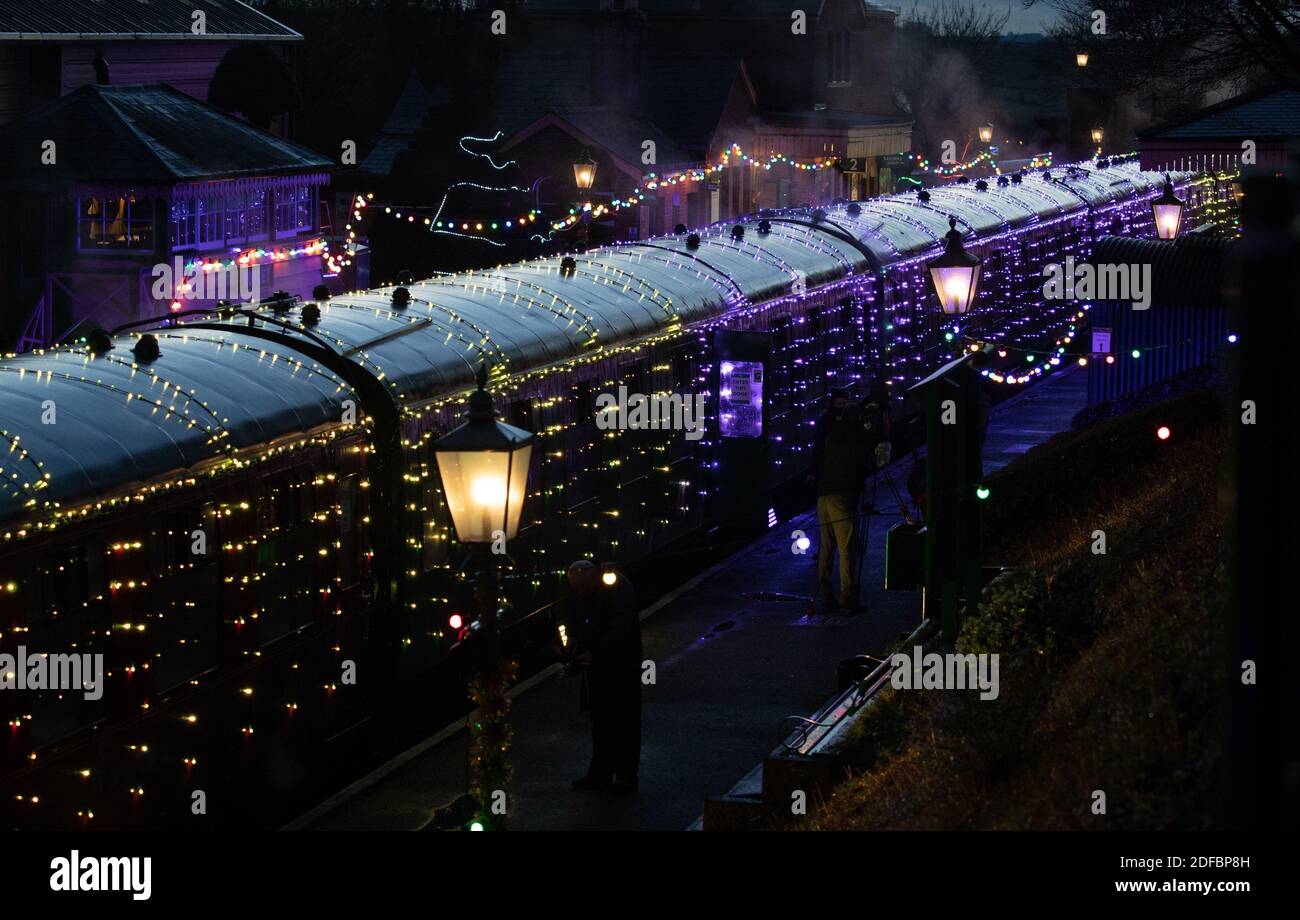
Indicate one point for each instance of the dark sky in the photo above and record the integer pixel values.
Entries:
(1036, 19)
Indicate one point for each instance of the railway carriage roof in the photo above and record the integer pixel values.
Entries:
(116, 423)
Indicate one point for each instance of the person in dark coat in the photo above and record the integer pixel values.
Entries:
(605, 649)
(850, 441)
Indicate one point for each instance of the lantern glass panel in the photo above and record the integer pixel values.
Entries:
(584, 173)
(956, 286)
(485, 490)
(1168, 218)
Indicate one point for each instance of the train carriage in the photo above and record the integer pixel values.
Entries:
(240, 509)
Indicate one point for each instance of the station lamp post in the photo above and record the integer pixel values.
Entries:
(1168, 212)
(956, 273)
(584, 172)
(584, 177)
(483, 465)
(986, 134)
(1097, 134)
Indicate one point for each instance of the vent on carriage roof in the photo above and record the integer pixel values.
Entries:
(83, 20)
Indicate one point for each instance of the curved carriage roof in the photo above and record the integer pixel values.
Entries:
(74, 427)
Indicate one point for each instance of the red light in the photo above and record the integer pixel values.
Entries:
(1163, 432)
(455, 622)
(175, 306)
(1110, 359)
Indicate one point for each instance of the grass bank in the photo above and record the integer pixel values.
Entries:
(1111, 665)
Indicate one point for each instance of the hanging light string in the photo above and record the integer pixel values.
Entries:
(734, 156)
(487, 156)
(430, 216)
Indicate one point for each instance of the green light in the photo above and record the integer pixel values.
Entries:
(947, 336)
(1029, 358)
(1136, 353)
(981, 492)
(476, 825)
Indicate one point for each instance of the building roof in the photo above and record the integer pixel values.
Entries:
(405, 120)
(832, 118)
(142, 134)
(98, 20)
(687, 95)
(1270, 113)
(683, 97)
(1187, 272)
(215, 391)
(611, 128)
(535, 83)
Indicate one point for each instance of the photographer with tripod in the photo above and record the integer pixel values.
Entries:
(851, 440)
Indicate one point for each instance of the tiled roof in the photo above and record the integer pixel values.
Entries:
(687, 95)
(404, 121)
(621, 132)
(1274, 113)
(147, 133)
(681, 101)
(72, 20)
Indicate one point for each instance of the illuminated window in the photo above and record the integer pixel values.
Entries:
(115, 221)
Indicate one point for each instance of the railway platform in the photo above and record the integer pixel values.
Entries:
(736, 653)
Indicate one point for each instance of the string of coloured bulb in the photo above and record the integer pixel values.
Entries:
(735, 153)
(429, 216)
(733, 156)
(1038, 161)
(249, 257)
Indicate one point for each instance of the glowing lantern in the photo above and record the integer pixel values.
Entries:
(584, 171)
(1097, 135)
(986, 134)
(1081, 59)
(484, 469)
(956, 274)
(1168, 212)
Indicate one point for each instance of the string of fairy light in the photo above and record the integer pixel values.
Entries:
(290, 535)
(483, 227)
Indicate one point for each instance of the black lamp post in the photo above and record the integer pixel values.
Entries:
(1168, 212)
(956, 273)
(484, 469)
(483, 465)
(584, 172)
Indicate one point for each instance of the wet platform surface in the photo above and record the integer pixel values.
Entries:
(736, 652)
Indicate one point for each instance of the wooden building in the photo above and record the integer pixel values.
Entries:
(1216, 137)
(108, 183)
(48, 48)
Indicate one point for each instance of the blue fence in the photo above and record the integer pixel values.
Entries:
(1189, 319)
